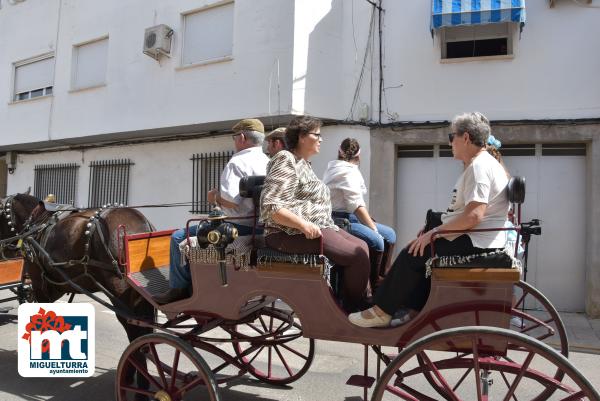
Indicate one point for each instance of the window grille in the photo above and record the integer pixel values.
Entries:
(206, 175)
(109, 182)
(57, 179)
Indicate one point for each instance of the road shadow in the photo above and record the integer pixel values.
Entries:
(9, 318)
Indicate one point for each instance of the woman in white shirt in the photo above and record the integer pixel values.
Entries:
(347, 188)
(479, 200)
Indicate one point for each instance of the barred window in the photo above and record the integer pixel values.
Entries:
(109, 182)
(57, 179)
(206, 175)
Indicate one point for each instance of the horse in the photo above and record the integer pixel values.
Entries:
(79, 253)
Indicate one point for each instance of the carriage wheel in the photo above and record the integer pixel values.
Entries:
(534, 316)
(543, 323)
(189, 377)
(524, 373)
(272, 347)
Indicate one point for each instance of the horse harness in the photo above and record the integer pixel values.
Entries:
(35, 248)
(7, 213)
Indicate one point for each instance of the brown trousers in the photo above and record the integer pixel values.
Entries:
(343, 249)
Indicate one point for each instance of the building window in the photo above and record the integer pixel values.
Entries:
(109, 182)
(208, 35)
(33, 78)
(206, 175)
(89, 64)
(476, 41)
(57, 179)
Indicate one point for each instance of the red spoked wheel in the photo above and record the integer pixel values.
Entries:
(535, 316)
(187, 378)
(272, 347)
(525, 372)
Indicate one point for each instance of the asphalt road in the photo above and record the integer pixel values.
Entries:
(334, 363)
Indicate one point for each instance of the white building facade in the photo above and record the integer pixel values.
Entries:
(77, 91)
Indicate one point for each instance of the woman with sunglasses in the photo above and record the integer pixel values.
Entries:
(295, 207)
(479, 200)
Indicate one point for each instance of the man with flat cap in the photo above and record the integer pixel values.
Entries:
(275, 141)
(248, 136)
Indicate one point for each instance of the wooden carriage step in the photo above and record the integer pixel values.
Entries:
(11, 271)
(486, 274)
(155, 281)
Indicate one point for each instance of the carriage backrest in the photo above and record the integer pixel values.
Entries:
(516, 190)
(251, 187)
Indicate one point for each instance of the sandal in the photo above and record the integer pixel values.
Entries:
(373, 321)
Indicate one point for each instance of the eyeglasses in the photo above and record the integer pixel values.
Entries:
(235, 135)
(451, 136)
(315, 134)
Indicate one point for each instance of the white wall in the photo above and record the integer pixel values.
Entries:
(140, 92)
(330, 39)
(26, 30)
(553, 73)
(162, 173)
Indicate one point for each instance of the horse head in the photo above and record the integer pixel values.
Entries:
(14, 212)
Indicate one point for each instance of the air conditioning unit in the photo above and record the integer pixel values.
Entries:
(157, 41)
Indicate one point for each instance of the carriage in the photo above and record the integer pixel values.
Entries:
(259, 311)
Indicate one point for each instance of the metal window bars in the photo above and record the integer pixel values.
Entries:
(206, 175)
(109, 182)
(57, 179)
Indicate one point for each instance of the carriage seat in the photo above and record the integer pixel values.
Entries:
(273, 259)
(251, 186)
(516, 190)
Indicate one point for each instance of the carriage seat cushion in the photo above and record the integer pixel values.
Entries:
(516, 190)
(270, 255)
(500, 259)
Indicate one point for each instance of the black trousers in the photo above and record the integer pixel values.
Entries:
(406, 284)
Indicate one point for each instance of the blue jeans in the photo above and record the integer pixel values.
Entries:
(373, 239)
(179, 274)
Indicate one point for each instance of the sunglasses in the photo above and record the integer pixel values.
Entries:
(235, 135)
(451, 136)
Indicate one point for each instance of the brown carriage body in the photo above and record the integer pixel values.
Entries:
(458, 297)
(468, 312)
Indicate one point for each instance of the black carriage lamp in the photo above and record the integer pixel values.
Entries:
(218, 233)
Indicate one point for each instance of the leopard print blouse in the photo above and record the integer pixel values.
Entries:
(292, 184)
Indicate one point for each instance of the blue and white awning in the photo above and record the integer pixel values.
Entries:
(476, 12)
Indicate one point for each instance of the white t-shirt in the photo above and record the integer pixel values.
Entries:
(346, 185)
(484, 181)
(247, 162)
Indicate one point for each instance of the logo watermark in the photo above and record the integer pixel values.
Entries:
(56, 340)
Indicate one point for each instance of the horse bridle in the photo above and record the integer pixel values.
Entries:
(7, 213)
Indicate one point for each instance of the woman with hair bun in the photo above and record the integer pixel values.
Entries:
(347, 188)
